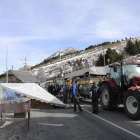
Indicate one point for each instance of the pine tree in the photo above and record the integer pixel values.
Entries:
(137, 44)
(131, 48)
(100, 61)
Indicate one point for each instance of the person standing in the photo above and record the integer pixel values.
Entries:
(95, 95)
(55, 90)
(49, 90)
(58, 89)
(76, 96)
(65, 92)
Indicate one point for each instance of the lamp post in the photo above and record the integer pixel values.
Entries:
(60, 59)
(108, 60)
(133, 61)
(104, 57)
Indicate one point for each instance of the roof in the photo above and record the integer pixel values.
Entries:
(118, 64)
(23, 76)
(114, 64)
(92, 70)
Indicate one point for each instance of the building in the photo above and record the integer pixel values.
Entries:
(18, 76)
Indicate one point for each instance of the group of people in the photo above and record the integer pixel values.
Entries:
(54, 90)
(94, 91)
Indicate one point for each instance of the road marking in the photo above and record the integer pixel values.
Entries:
(114, 125)
(51, 124)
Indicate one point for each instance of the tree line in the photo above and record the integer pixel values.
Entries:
(130, 49)
(112, 55)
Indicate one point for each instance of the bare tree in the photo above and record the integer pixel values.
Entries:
(125, 56)
(41, 75)
(86, 63)
(74, 69)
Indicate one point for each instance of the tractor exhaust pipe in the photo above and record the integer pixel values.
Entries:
(122, 68)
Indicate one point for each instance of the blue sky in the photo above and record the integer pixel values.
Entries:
(38, 28)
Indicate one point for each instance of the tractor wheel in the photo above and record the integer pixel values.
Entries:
(107, 97)
(132, 105)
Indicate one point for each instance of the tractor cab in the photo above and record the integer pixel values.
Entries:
(131, 71)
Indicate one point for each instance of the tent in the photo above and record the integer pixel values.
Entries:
(34, 91)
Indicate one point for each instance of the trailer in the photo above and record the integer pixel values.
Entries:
(86, 78)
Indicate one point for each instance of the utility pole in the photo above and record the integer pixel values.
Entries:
(7, 66)
(104, 57)
(12, 67)
(25, 63)
(60, 63)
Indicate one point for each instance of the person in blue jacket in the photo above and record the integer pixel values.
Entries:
(76, 95)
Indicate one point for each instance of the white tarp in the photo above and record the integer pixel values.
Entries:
(1, 93)
(33, 90)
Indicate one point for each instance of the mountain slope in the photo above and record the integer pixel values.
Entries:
(67, 64)
(63, 52)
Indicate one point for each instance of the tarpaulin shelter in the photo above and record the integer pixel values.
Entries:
(34, 91)
(100, 71)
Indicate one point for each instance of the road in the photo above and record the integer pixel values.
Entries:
(64, 124)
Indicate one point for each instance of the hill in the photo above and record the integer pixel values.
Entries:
(63, 52)
(76, 60)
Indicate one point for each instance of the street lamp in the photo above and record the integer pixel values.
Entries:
(60, 64)
(133, 61)
(108, 60)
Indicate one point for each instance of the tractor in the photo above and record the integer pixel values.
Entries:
(122, 87)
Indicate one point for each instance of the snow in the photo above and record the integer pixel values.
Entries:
(63, 52)
(53, 69)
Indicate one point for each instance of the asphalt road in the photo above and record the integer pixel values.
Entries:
(64, 124)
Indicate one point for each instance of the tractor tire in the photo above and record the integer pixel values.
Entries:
(132, 105)
(107, 97)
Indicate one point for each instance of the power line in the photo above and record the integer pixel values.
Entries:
(25, 63)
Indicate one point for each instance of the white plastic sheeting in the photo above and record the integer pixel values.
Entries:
(1, 93)
(33, 90)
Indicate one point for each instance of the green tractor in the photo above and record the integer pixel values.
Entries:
(122, 87)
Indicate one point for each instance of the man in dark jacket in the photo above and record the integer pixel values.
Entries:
(76, 95)
(95, 91)
(51, 89)
(48, 88)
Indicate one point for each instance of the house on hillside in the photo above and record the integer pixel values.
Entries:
(18, 76)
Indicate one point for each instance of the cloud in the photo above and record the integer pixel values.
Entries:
(45, 26)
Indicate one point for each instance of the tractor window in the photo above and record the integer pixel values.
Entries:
(116, 76)
(132, 71)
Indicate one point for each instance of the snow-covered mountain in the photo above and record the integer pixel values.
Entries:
(52, 70)
(63, 52)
